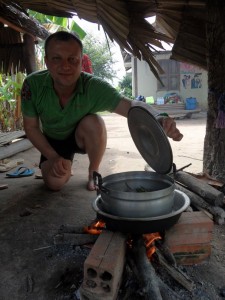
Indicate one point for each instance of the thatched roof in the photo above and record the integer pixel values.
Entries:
(11, 42)
(178, 21)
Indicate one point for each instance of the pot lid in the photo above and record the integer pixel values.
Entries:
(150, 139)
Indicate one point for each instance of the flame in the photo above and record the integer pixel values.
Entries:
(95, 228)
(149, 238)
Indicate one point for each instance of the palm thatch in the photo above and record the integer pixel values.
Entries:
(181, 22)
(11, 43)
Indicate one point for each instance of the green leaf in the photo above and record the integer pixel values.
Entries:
(76, 28)
(63, 22)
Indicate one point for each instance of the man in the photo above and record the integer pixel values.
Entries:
(59, 108)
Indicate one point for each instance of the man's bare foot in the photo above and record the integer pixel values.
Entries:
(91, 185)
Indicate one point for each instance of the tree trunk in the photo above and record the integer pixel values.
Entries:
(214, 144)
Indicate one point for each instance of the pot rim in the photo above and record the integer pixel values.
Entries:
(161, 217)
(113, 178)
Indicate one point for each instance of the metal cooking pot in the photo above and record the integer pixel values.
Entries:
(136, 194)
(143, 225)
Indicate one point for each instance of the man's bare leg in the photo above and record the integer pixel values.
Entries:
(91, 136)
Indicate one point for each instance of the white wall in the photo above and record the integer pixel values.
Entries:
(146, 83)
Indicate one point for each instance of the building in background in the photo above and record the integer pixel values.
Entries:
(180, 80)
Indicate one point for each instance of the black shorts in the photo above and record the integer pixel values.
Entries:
(65, 148)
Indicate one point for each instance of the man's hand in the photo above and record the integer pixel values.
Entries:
(60, 166)
(169, 126)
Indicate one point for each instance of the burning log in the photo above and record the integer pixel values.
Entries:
(204, 190)
(152, 286)
(144, 271)
(217, 212)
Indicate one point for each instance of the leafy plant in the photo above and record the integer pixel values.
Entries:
(10, 114)
(101, 57)
(53, 23)
(125, 86)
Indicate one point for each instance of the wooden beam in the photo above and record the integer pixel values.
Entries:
(13, 26)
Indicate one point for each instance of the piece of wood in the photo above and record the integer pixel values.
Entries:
(3, 186)
(168, 255)
(217, 212)
(176, 273)
(8, 137)
(152, 285)
(14, 148)
(146, 273)
(209, 193)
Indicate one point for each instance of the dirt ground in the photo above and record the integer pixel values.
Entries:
(33, 267)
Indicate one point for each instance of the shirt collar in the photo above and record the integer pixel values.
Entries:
(79, 87)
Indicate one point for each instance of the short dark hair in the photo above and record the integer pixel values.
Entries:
(63, 36)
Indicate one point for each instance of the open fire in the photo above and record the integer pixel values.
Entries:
(148, 257)
(97, 226)
(149, 242)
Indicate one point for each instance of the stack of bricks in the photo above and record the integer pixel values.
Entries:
(190, 239)
(103, 268)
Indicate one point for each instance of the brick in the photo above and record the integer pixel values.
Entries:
(191, 254)
(191, 228)
(103, 268)
(190, 239)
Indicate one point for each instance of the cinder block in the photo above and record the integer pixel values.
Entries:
(103, 268)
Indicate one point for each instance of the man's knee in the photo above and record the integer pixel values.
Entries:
(91, 125)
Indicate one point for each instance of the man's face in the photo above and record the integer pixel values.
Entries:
(64, 62)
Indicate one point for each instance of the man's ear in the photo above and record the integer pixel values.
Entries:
(46, 60)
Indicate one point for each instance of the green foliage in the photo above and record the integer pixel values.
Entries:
(125, 86)
(101, 57)
(10, 87)
(53, 23)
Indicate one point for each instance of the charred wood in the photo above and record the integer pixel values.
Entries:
(152, 286)
(176, 273)
(145, 272)
(204, 190)
(217, 212)
(166, 252)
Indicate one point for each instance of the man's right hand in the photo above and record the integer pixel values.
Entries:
(60, 166)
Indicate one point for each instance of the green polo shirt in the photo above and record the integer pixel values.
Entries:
(39, 99)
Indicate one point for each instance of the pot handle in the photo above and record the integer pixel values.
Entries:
(98, 183)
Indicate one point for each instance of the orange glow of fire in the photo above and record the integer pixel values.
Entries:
(95, 228)
(149, 239)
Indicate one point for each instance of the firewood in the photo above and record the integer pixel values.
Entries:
(147, 275)
(217, 212)
(165, 251)
(204, 190)
(152, 286)
(176, 273)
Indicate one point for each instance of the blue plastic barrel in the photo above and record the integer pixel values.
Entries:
(190, 103)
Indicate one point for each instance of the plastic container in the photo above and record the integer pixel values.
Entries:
(190, 103)
(160, 101)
